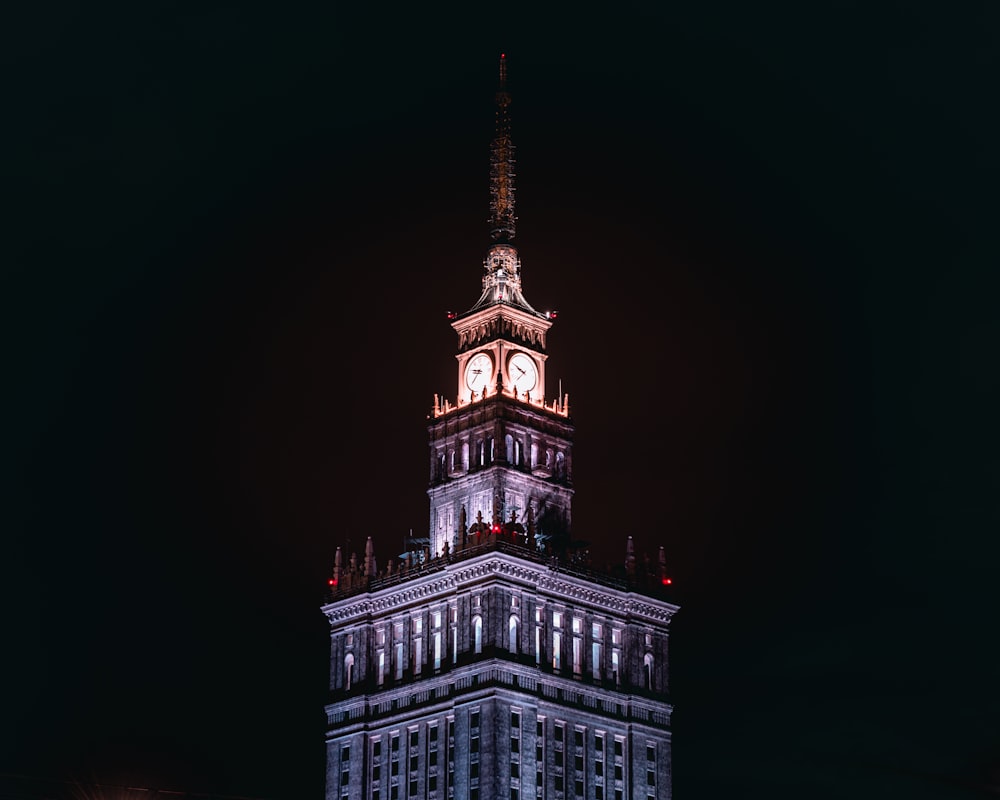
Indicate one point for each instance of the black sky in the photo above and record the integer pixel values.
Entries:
(769, 230)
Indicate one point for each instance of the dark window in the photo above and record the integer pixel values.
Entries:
(432, 783)
(345, 778)
(515, 719)
(515, 745)
(513, 794)
(650, 753)
(618, 772)
(376, 772)
(374, 794)
(474, 769)
(538, 728)
(598, 793)
(432, 758)
(618, 747)
(559, 733)
(579, 788)
(395, 767)
(413, 763)
(579, 763)
(414, 739)
(473, 794)
(515, 769)
(474, 719)
(377, 748)
(650, 778)
(578, 738)
(413, 788)
(345, 754)
(618, 794)
(559, 783)
(394, 792)
(395, 743)
(474, 744)
(599, 768)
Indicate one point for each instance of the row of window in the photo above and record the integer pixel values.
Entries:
(568, 773)
(482, 453)
(563, 627)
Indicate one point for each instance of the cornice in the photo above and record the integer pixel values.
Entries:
(453, 578)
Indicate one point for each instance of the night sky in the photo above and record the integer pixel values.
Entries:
(770, 232)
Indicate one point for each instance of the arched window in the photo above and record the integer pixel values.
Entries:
(512, 634)
(477, 634)
(451, 460)
(548, 459)
(560, 465)
(534, 455)
(348, 672)
(648, 666)
(465, 456)
(509, 445)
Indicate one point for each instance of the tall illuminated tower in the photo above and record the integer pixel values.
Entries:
(494, 663)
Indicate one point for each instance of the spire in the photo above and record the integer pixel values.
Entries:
(502, 167)
(502, 275)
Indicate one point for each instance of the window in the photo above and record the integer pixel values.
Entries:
(647, 663)
(556, 619)
(577, 625)
(437, 649)
(512, 635)
(596, 650)
(577, 655)
(477, 634)
(399, 660)
(348, 671)
(556, 648)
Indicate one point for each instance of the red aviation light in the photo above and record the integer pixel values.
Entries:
(332, 581)
(496, 529)
(667, 581)
(452, 315)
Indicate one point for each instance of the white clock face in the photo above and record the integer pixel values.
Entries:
(523, 374)
(478, 372)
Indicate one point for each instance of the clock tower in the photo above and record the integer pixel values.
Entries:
(501, 451)
(498, 662)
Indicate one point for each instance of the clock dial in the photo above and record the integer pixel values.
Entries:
(478, 372)
(523, 373)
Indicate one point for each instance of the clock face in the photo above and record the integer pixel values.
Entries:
(478, 372)
(523, 374)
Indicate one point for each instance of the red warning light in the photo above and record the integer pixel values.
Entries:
(502, 55)
(333, 581)
(667, 581)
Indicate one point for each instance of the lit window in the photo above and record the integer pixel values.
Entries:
(556, 619)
